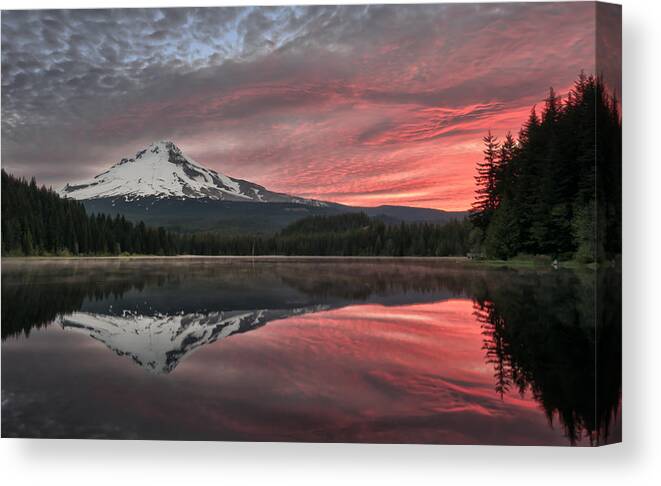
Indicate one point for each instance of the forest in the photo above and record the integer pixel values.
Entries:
(351, 234)
(37, 221)
(553, 190)
(556, 189)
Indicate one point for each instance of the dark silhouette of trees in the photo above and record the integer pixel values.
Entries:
(351, 234)
(557, 189)
(543, 334)
(36, 221)
(487, 194)
(32, 298)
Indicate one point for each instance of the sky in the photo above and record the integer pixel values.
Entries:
(362, 105)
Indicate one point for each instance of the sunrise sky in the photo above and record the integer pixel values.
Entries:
(363, 105)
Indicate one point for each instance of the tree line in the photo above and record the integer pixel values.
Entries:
(351, 234)
(556, 188)
(37, 221)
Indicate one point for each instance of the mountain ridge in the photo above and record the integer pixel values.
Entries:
(234, 217)
(163, 171)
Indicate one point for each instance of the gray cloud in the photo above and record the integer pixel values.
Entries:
(79, 84)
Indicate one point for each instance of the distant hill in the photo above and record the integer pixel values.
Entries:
(412, 215)
(235, 217)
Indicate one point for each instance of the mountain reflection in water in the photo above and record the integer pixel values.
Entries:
(389, 351)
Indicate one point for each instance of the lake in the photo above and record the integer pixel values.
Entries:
(341, 350)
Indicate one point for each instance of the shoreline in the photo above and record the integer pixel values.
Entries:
(229, 257)
(458, 260)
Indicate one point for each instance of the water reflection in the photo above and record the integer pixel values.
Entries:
(543, 333)
(401, 351)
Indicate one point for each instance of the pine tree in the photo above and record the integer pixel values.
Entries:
(486, 193)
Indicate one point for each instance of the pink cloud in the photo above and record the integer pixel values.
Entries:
(399, 122)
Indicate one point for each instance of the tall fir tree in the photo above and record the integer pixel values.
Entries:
(486, 181)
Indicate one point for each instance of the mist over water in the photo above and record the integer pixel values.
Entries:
(409, 351)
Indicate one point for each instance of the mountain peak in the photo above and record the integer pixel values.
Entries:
(163, 171)
(163, 148)
(163, 145)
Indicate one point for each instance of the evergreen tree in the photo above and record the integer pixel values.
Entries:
(486, 180)
(558, 188)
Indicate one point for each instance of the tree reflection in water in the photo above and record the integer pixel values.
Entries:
(544, 334)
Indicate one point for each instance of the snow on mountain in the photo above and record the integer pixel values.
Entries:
(158, 342)
(163, 171)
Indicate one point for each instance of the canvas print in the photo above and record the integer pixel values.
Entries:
(366, 223)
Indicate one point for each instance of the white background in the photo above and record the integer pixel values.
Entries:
(636, 461)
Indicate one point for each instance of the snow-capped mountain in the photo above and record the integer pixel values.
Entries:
(159, 342)
(163, 171)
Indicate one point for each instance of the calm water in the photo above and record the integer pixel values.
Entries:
(342, 351)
